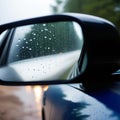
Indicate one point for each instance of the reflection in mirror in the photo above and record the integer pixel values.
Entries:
(45, 51)
(2, 37)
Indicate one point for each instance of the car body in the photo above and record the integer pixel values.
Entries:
(70, 102)
(96, 99)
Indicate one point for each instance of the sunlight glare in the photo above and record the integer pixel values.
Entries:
(38, 93)
(45, 88)
(38, 97)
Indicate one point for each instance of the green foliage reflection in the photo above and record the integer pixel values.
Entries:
(45, 39)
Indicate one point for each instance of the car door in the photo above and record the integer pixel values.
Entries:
(68, 102)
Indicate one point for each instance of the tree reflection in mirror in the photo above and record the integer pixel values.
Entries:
(46, 51)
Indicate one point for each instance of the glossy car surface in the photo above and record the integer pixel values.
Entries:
(68, 102)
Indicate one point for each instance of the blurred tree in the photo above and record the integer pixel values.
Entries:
(56, 6)
(108, 9)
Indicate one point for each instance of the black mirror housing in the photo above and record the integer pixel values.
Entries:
(100, 52)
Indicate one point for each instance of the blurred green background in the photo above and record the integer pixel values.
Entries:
(108, 9)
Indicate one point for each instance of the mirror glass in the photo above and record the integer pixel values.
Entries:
(42, 52)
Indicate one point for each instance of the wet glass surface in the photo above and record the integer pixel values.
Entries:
(45, 39)
(46, 51)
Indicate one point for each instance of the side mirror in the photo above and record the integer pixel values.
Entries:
(54, 49)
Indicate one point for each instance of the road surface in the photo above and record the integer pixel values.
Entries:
(20, 103)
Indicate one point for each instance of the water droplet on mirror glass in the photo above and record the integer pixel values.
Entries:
(26, 42)
(46, 29)
(34, 34)
(17, 45)
(30, 49)
(44, 24)
(30, 40)
(19, 40)
(45, 37)
(48, 48)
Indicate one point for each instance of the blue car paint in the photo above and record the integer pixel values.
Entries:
(64, 102)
